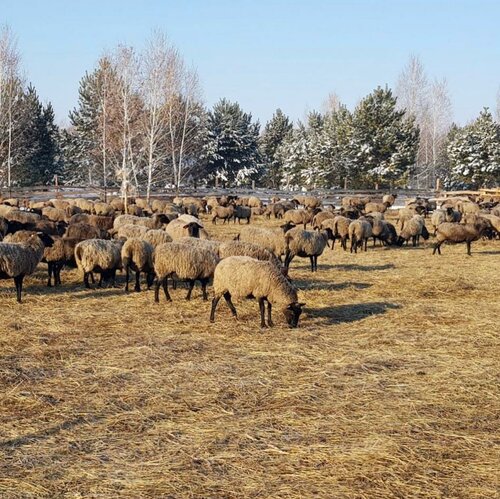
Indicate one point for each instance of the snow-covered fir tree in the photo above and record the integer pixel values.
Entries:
(231, 148)
(474, 153)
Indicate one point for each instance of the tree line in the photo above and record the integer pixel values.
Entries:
(140, 124)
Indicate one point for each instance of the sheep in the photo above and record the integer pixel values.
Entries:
(494, 221)
(134, 210)
(154, 222)
(308, 202)
(54, 214)
(104, 209)
(117, 204)
(59, 204)
(211, 203)
(254, 202)
(242, 212)
(271, 239)
(339, 227)
(453, 216)
(71, 210)
(320, 217)
(453, 232)
(389, 198)
(187, 263)
(104, 223)
(384, 232)
(243, 277)
(380, 207)
(4, 226)
(82, 231)
(86, 205)
(137, 255)
(155, 237)
(496, 211)
(20, 259)
(298, 217)
(181, 228)
(468, 207)
(241, 248)
(130, 230)
(98, 255)
(61, 253)
(191, 209)
(350, 212)
(438, 217)
(223, 212)
(200, 243)
(359, 231)
(257, 211)
(353, 202)
(414, 228)
(305, 243)
(23, 217)
(275, 209)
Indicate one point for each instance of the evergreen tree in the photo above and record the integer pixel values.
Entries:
(231, 147)
(278, 129)
(384, 142)
(474, 153)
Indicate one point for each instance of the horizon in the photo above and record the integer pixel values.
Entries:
(271, 67)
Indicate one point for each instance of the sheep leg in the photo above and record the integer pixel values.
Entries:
(366, 244)
(18, 281)
(315, 263)
(127, 277)
(227, 297)
(190, 290)
(86, 279)
(50, 269)
(137, 281)
(215, 301)
(165, 288)
(311, 258)
(248, 220)
(269, 319)
(468, 248)
(262, 307)
(437, 247)
(204, 283)
(57, 275)
(157, 290)
(150, 279)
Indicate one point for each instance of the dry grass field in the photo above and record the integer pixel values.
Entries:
(388, 388)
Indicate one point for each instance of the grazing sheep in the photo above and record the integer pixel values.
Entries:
(468, 208)
(137, 255)
(458, 233)
(413, 229)
(200, 243)
(359, 232)
(59, 204)
(241, 248)
(385, 232)
(104, 223)
(155, 237)
(350, 212)
(377, 207)
(258, 211)
(187, 263)
(305, 243)
(438, 217)
(275, 209)
(320, 217)
(254, 202)
(308, 202)
(339, 227)
(83, 231)
(98, 255)
(271, 239)
(54, 214)
(117, 204)
(243, 277)
(134, 210)
(71, 210)
(223, 212)
(242, 212)
(23, 217)
(19, 259)
(298, 217)
(86, 205)
(353, 202)
(155, 222)
(104, 209)
(61, 253)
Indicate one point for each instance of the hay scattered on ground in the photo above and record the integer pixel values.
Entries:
(389, 388)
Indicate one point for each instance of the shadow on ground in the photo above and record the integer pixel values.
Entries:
(351, 312)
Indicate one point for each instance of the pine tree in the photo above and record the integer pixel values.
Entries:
(231, 148)
(384, 142)
(474, 153)
(278, 129)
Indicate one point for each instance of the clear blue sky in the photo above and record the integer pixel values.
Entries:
(269, 54)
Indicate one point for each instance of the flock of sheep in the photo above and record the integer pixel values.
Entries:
(165, 240)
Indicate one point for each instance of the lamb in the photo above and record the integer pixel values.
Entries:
(20, 259)
(137, 255)
(305, 243)
(359, 231)
(223, 212)
(243, 277)
(155, 222)
(298, 217)
(271, 239)
(384, 232)
(242, 212)
(320, 217)
(155, 237)
(181, 228)
(61, 253)
(458, 233)
(98, 255)
(339, 227)
(187, 263)
(414, 228)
